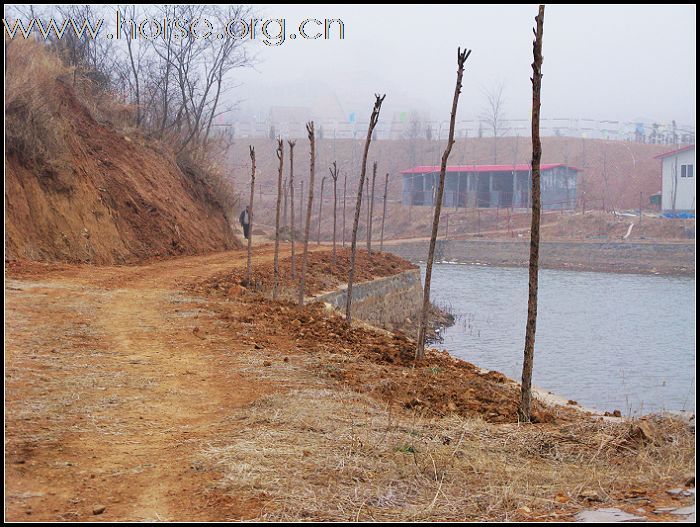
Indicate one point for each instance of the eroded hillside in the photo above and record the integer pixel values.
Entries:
(79, 188)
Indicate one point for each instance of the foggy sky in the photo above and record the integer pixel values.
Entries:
(600, 62)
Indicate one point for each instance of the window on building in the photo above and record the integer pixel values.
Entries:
(686, 170)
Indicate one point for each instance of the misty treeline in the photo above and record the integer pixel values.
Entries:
(174, 86)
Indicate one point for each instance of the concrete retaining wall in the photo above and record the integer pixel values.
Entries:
(384, 302)
(662, 258)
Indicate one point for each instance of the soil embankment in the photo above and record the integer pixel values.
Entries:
(79, 188)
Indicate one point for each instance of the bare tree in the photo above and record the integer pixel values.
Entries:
(345, 186)
(334, 176)
(374, 118)
(175, 83)
(461, 59)
(285, 209)
(280, 157)
(371, 209)
(320, 211)
(367, 212)
(381, 236)
(312, 173)
(291, 204)
(494, 115)
(525, 407)
(249, 268)
(134, 60)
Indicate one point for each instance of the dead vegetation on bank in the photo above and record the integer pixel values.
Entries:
(336, 455)
(355, 430)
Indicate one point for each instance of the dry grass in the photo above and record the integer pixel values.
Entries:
(33, 127)
(203, 164)
(317, 454)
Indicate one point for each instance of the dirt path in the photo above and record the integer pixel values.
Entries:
(113, 376)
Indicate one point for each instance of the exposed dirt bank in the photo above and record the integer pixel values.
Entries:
(80, 189)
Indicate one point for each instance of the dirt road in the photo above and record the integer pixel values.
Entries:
(113, 375)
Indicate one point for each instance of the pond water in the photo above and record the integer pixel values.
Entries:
(608, 341)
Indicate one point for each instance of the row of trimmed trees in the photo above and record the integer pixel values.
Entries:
(284, 186)
(524, 409)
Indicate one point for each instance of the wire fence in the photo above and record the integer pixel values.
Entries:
(403, 127)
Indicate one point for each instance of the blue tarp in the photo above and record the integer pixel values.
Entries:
(679, 215)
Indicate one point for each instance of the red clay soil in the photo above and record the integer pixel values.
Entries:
(382, 364)
(321, 274)
(373, 361)
(109, 198)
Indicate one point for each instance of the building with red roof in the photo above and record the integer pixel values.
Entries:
(491, 186)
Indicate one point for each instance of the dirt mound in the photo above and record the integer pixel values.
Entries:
(94, 194)
(321, 274)
(382, 364)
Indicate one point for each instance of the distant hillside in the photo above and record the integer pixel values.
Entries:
(77, 189)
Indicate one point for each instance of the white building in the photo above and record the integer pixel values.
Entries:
(678, 179)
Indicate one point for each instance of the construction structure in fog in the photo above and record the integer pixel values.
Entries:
(491, 186)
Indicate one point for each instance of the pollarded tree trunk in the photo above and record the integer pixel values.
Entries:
(334, 177)
(358, 204)
(367, 210)
(371, 209)
(280, 157)
(291, 206)
(420, 349)
(249, 268)
(525, 407)
(312, 173)
(345, 186)
(320, 212)
(285, 208)
(381, 236)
